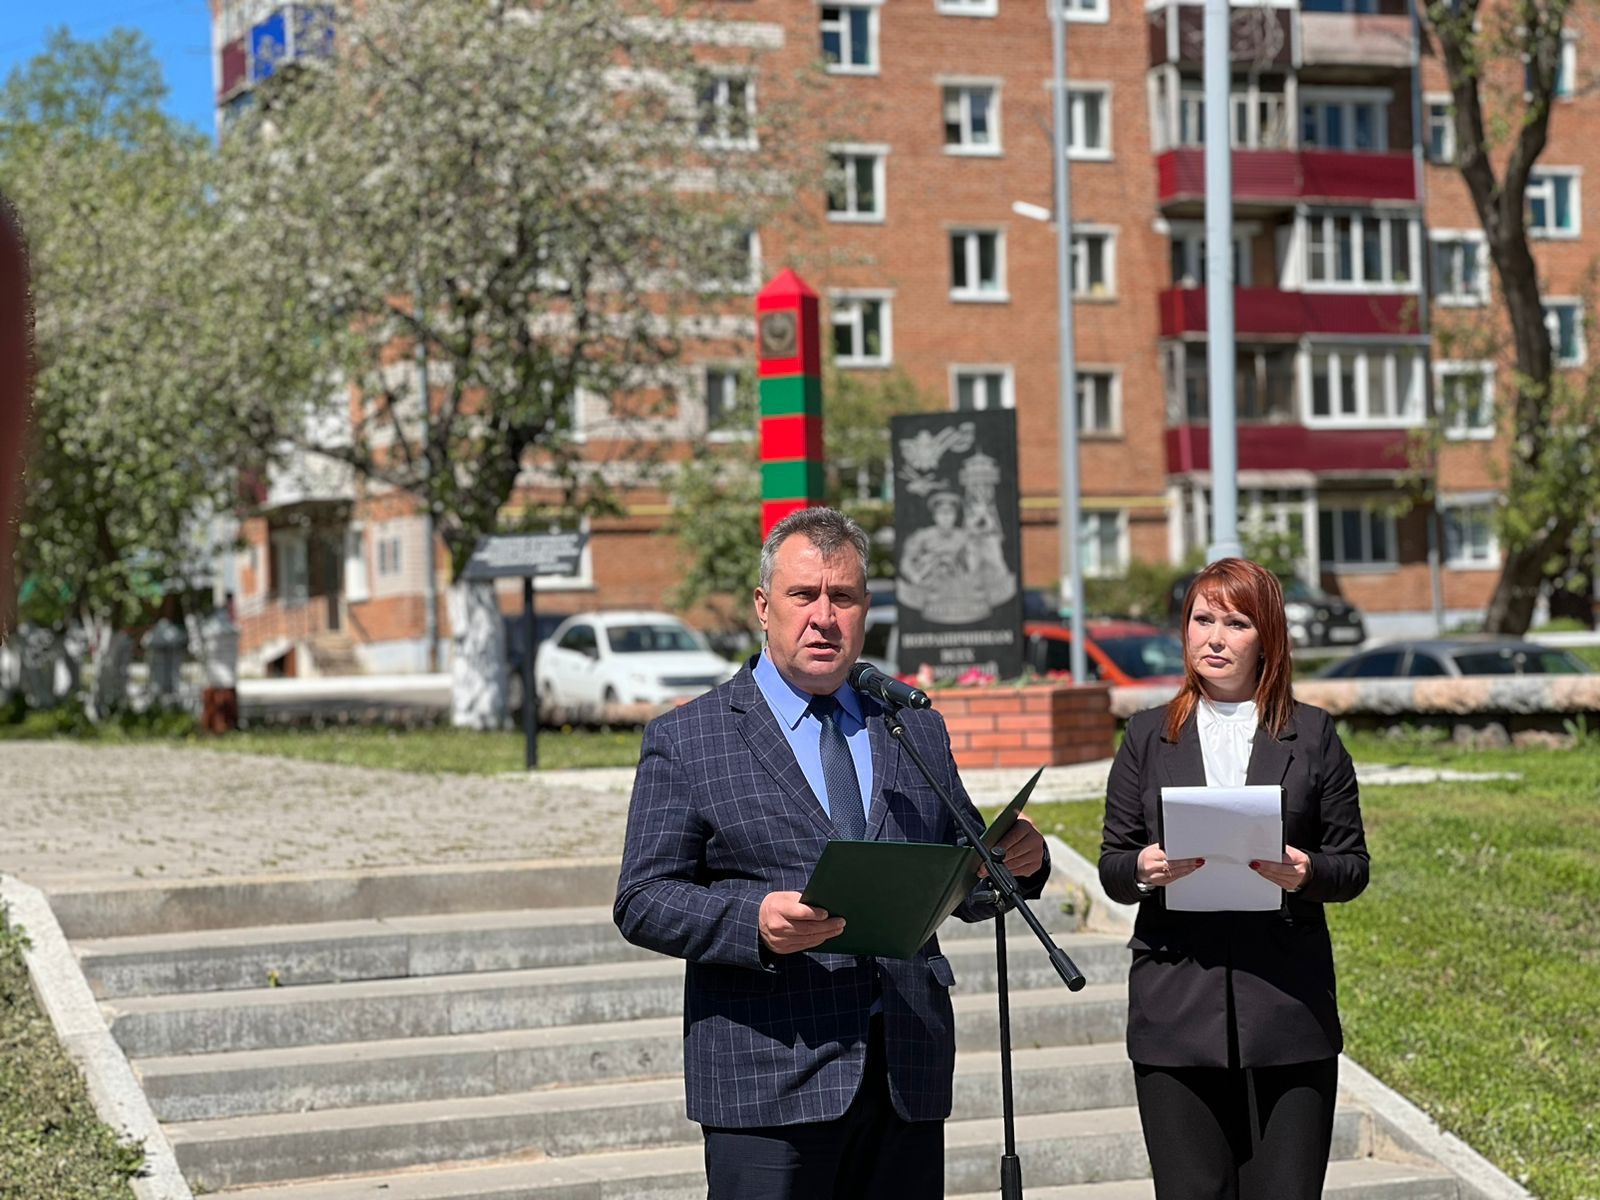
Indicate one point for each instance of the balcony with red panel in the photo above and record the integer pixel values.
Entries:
(1271, 313)
(1343, 452)
(1277, 179)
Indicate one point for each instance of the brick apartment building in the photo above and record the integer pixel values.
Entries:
(930, 269)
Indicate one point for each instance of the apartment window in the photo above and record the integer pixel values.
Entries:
(1264, 385)
(1469, 537)
(725, 415)
(861, 331)
(1358, 385)
(1089, 122)
(850, 38)
(1088, 10)
(725, 107)
(388, 556)
(1339, 6)
(855, 184)
(1566, 70)
(1260, 120)
(968, 8)
(1353, 537)
(1094, 271)
(1099, 404)
(977, 265)
(1564, 320)
(737, 263)
(1358, 250)
(1466, 399)
(972, 118)
(1440, 127)
(1189, 258)
(1103, 543)
(1191, 117)
(974, 389)
(1553, 199)
(1460, 268)
(1344, 121)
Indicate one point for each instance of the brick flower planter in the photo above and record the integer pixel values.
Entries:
(1044, 723)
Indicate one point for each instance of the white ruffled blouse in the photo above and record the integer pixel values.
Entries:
(1226, 731)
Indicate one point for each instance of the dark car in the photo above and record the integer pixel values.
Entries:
(1454, 656)
(1315, 618)
(1124, 653)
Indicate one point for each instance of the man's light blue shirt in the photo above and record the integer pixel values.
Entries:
(803, 730)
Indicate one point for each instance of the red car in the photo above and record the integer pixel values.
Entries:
(1123, 653)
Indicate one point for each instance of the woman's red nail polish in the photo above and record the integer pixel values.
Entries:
(1254, 865)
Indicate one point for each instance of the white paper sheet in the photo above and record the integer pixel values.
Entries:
(1229, 828)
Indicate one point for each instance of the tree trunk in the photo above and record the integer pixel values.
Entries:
(1521, 578)
(477, 658)
(108, 690)
(1572, 588)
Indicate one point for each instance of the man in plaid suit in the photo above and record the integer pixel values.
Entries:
(814, 1075)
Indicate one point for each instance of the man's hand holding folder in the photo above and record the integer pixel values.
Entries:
(893, 896)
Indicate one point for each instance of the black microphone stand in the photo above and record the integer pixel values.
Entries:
(1007, 894)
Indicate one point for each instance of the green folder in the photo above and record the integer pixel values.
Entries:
(893, 896)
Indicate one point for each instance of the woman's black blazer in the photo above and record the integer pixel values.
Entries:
(1236, 989)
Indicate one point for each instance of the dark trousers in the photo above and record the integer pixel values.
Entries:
(868, 1153)
(1216, 1133)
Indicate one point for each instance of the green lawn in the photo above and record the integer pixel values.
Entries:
(52, 1147)
(1469, 971)
(452, 751)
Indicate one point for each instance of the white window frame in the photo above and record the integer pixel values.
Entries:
(1460, 427)
(722, 104)
(872, 65)
(1008, 390)
(1191, 237)
(1465, 241)
(580, 581)
(713, 434)
(879, 155)
(1307, 219)
(1551, 303)
(965, 87)
(1475, 503)
(1250, 96)
(1430, 102)
(967, 8)
(1567, 73)
(1100, 570)
(1337, 559)
(855, 297)
(1091, 12)
(1362, 417)
(1544, 180)
(1077, 98)
(1347, 100)
(1079, 264)
(1113, 396)
(970, 239)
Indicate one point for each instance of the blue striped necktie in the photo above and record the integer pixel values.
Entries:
(839, 772)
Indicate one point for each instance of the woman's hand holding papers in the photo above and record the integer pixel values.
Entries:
(1291, 875)
(1155, 869)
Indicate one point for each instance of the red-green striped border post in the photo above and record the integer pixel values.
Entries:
(789, 364)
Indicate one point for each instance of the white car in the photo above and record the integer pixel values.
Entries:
(597, 659)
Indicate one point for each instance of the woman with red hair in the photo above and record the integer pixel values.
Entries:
(1232, 1023)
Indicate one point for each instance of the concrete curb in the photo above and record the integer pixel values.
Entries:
(64, 995)
(1413, 1131)
(1400, 1122)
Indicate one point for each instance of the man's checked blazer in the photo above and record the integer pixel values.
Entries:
(722, 815)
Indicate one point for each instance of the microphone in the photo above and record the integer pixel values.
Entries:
(886, 689)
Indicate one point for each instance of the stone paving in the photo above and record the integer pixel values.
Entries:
(91, 814)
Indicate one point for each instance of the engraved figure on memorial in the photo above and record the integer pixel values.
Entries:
(935, 568)
(980, 477)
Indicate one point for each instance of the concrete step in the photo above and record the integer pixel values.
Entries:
(300, 955)
(1350, 1179)
(151, 907)
(437, 1005)
(562, 1122)
(300, 1078)
(1055, 1149)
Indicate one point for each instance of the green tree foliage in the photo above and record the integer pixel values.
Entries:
(135, 440)
(1503, 61)
(539, 197)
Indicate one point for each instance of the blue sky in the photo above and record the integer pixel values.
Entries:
(178, 30)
